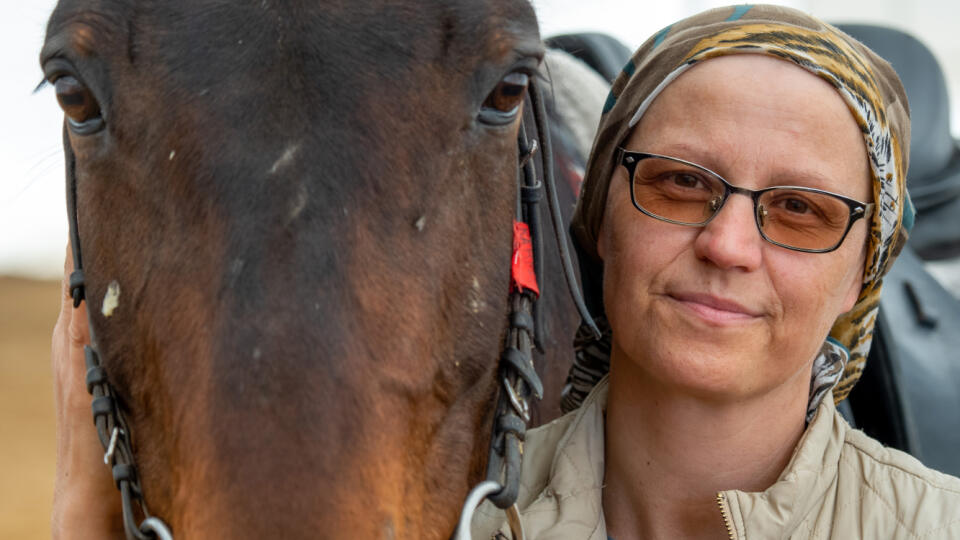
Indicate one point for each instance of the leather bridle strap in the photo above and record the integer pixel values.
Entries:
(516, 374)
(77, 291)
(112, 427)
(559, 227)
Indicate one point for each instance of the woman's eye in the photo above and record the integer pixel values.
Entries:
(78, 104)
(503, 104)
(686, 180)
(796, 206)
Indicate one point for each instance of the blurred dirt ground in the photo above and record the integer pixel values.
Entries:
(28, 311)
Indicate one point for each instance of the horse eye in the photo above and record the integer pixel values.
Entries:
(78, 103)
(503, 104)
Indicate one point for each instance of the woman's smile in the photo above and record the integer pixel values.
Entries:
(714, 310)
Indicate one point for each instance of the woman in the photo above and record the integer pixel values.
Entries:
(739, 310)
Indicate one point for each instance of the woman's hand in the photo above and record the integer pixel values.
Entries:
(86, 504)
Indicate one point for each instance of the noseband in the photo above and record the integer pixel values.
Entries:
(517, 378)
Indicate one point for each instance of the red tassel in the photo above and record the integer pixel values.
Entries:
(522, 274)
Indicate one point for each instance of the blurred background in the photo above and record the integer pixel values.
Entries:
(33, 229)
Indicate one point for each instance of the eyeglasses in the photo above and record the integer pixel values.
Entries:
(798, 218)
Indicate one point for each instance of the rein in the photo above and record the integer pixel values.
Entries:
(516, 375)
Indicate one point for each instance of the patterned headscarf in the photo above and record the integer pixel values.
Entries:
(872, 92)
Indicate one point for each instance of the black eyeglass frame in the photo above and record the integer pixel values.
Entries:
(629, 160)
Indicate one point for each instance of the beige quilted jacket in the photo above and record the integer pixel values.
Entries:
(839, 484)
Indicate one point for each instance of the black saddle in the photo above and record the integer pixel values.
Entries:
(605, 54)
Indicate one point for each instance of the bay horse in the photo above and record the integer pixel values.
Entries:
(296, 227)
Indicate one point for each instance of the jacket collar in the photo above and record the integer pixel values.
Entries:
(566, 499)
(811, 471)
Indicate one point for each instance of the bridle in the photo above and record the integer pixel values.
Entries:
(516, 374)
(517, 378)
(112, 427)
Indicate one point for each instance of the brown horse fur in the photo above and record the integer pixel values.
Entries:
(311, 230)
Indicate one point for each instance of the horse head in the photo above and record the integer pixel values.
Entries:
(295, 221)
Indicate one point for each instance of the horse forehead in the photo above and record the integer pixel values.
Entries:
(412, 28)
(266, 62)
(336, 81)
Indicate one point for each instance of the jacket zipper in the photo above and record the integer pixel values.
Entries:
(722, 503)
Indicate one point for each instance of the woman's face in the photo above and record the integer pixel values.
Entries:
(717, 310)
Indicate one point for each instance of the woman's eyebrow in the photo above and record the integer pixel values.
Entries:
(706, 157)
(807, 178)
(699, 154)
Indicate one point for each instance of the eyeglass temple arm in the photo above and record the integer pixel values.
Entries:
(864, 210)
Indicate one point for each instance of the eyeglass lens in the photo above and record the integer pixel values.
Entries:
(685, 194)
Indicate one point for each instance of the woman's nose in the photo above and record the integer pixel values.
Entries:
(731, 239)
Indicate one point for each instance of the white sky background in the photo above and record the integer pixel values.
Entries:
(33, 228)
(32, 210)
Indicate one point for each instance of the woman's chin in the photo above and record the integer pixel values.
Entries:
(719, 368)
